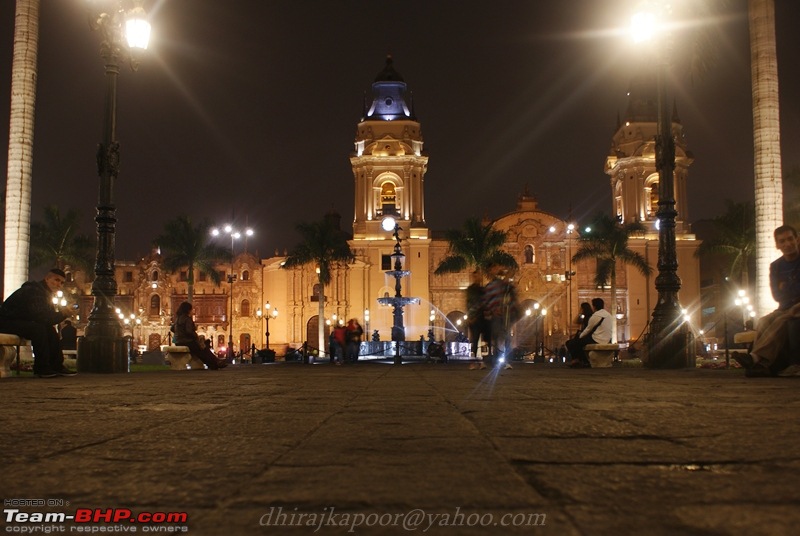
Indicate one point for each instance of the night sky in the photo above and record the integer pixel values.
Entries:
(249, 107)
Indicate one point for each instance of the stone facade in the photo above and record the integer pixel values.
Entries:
(389, 165)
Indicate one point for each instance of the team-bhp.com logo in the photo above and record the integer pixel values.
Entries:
(95, 515)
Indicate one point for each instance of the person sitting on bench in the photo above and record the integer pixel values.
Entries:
(29, 313)
(186, 335)
(770, 353)
(597, 331)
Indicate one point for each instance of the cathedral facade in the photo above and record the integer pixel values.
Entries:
(389, 165)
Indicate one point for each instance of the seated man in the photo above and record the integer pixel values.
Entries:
(774, 331)
(29, 313)
(597, 331)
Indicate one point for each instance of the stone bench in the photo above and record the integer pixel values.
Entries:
(180, 358)
(745, 337)
(601, 355)
(9, 350)
(70, 356)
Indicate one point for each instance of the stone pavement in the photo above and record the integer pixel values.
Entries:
(257, 449)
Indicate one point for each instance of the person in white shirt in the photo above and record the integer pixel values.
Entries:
(597, 331)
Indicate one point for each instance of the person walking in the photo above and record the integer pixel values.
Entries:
(478, 325)
(339, 342)
(353, 335)
(502, 309)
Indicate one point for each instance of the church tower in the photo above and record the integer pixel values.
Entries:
(388, 163)
(631, 163)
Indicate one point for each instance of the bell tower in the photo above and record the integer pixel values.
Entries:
(631, 163)
(388, 163)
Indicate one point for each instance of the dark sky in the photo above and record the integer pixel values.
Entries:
(250, 106)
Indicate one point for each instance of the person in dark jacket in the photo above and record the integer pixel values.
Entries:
(186, 335)
(353, 335)
(30, 313)
(69, 336)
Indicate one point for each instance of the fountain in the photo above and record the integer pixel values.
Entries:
(397, 301)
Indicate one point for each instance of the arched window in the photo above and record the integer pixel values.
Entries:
(388, 198)
(155, 304)
(245, 308)
(246, 275)
(651, 197)
(529, 255)
(154, 276)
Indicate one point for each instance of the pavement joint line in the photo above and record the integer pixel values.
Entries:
(484, 437)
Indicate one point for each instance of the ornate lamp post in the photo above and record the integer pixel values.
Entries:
(124, 28)
(668, 338)
(235, 235)
(539, 313)
(268, 312)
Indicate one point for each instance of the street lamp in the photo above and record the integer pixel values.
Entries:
(267, 313)
(668, 348)
(748, 312)
(569, 273)
(124, 30)
(235, 235)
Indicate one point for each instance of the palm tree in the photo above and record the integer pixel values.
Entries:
(20, 145)
(766, 142)
(735, 239)
(324, 245)
(476, 246)
(607, 242)
(56, 241)
(185, 245)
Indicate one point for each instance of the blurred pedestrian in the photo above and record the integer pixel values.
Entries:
(478, 325)
(500, 302)
(340, 342)
(353, 335)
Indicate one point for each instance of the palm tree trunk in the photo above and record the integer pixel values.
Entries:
(613, 307)
(766, 143)
(20, 145)
(190, 285)
(321, 322)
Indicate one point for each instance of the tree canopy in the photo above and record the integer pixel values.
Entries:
(475, 246)
(57, 241)
(184, 244)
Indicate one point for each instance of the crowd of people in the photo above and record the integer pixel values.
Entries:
(345, 342)
(493, 309)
